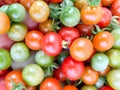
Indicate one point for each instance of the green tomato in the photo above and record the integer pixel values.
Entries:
(5, 59)
(4, 8)
(113, 79)
(43, 59)
(114, 57)
(33, 74)
(99, 61)
(70, 16)
(16, 12)
(88, 87)
(116, 35)
(17, 32)
(19, 52)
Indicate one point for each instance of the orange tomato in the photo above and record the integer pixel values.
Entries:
(70, 87)
(80, 3)
(106, 2)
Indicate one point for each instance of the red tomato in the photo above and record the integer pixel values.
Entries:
(106, 19)
(106, 88)
(56, 1)
(2, 2)
(3, 72)
(50, 84)
(81, 49)
(11, 1)
(103, 41)
(72, 69)
(33, 39)
(107, 2)
(115, 8)
(2, 83)
(70, 87)
(69, 34)
(52, 44)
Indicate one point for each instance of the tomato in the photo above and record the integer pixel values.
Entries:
(104, 72)
(15, 77)
(52, 44)
(33, 74)
(90, 76)
(46, 26)
(4, 24)
(70, 87)
(4, 8)
(17, 32)
(85, 29)
(103, 41)
(91, 15)
(70, 16)
(33, 39)
(88, 87)
(80, 4)
(43, 60)
(5, 59)
(32, 88)
(69, 34)
(72, 69)
(114, 59)
(2, 83)
(27, 3)
(106, 87)
(11, 1)
(19, 52)
(16, 12)
(99, 61)
(115, 8)
(58, 74)
(106, 19)
(39, 11)
(79, 49)
(107, 2)
(5, 41)
(2, 2)
(113, 79)
(3, 72)
(56, 1)
(50, 84)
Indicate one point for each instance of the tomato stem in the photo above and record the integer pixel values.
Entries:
(93, 2)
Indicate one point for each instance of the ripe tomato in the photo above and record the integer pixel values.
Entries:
(32, 88)
(55, 1)
(33, 39)
(103, 41)
(115, 8)
(72, 69)
(52, 44)
(107, 2)
(4, 23)
(79, 49)
(106, 88)
(50, 84)
(3, 72)
(90, 76)
(69, 87)
(39, 11)
(2, 2)
(106, 19)
(2, 83)
(91, 15)
(13, 76)
(11, 1)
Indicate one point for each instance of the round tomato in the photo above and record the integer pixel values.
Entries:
(80, 3)
(4, 8)
(72, 69)
(3, 72)
(50, 84)
(55, 1)
(11, 1)
(88, 87)
(33, 39)
(39, 11)
(2, 83)
(106, 87)
(70, 87)
(103, 41)
(52, 44)
(4, 23)
(79, 49)
(107, 2)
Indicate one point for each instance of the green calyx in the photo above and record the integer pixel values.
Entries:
(93, 2)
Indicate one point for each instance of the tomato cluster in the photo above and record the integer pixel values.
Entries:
(59, 44)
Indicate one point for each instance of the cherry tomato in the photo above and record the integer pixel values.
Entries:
(70, 87)
(72, 69)
(52, 44)
(90, 76)
(2, 83)
(79, 49)
(2, 2)
(39, 11)
(106, 88)
(115, 8)
(91, 15)
(4, 23)
(32, 88)
(4, 8)
(107, 2)
(88, 87)
(56, 1)
(50, 84)
(11, 1)
(3, 72)
(103, 41)
(106, 19)
(33, 39)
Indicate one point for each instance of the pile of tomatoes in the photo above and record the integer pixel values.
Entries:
(59, 44)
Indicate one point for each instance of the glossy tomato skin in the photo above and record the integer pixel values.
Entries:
(105, 21)
(69, 87)
(79, 49)
(115, 8)
(33, 39)
(50, 84)
(72, 69)
(103, 41)
(106, 88)
(55, 1)
(107, 2)
(52, 44)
